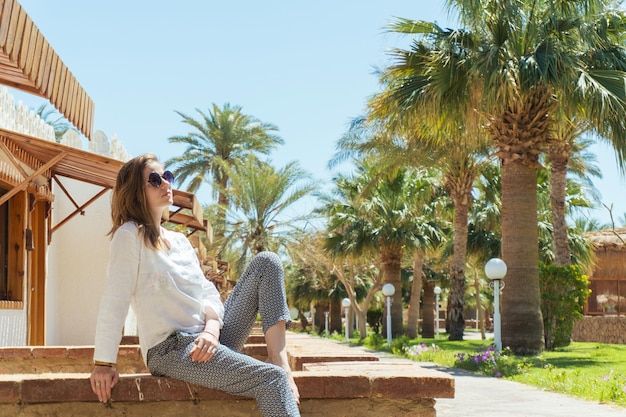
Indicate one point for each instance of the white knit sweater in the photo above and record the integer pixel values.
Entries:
(166, 289)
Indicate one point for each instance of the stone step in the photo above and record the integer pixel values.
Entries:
(71, 359)
(360, 386)
(301, 349)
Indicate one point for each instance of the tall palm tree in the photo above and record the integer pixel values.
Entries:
(224, 137)
(262, 197)
(522, 61)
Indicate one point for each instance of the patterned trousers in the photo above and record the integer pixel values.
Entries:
(261, 289)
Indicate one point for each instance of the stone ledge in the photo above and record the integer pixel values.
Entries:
(358, 407)
(67, 359)
(326, 383)
(360, 386)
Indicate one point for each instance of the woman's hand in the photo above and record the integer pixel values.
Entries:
(205, 347)
(103, 378)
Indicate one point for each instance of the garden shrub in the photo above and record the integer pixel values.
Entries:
(564, 290)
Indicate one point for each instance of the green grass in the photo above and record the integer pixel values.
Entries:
(593, 371)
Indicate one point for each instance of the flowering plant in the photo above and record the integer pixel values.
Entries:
(422, 352)
(490, 362)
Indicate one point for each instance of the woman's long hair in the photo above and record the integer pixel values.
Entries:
(128, 200)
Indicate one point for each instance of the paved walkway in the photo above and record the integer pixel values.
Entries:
(482, 396)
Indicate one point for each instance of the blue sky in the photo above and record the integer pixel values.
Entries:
(306, 67)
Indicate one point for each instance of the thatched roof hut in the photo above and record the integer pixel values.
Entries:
(608, 280)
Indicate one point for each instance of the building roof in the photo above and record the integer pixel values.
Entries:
(610, 238)
(28, 63)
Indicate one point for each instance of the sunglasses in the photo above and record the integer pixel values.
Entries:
(156, 180)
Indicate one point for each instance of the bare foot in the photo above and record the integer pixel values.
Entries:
(292, 383)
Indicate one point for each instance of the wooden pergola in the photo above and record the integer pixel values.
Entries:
(28, 63)
(38, 162)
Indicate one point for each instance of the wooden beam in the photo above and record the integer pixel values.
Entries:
(28, 179)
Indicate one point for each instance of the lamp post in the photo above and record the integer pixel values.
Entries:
(495, 269)
(326, 323)
(388, 291)
(437, 291)
(346, 305)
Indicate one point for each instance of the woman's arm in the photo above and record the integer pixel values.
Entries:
(121, 280)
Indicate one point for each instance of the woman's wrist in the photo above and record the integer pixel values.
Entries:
(212, 327)
(212, 333)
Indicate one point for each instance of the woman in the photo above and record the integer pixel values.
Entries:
(185, 331)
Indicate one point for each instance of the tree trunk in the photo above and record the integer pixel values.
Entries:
(522, 324)
(335, 316)
(304, 323)
(416, 295)
(360, 311)
(390, 259)
(223, 202)
(428, 313)
(455, 322)
(349, 321)
(559, 159)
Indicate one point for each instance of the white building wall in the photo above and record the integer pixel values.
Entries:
(77, 259)
(78, 251)
(78, 255)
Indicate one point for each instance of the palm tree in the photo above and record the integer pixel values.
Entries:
(420, 142)
(52, 117)
(262, 197)
(222, 138)
(521, 62)
(377, 214)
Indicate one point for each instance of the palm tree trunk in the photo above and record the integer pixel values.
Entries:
(335, 316)
(223, 202)
(428, 313)
(416, 294)
(522, 324)
(455, 322)
(559, 159)
(390, 259)
(304, 323)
